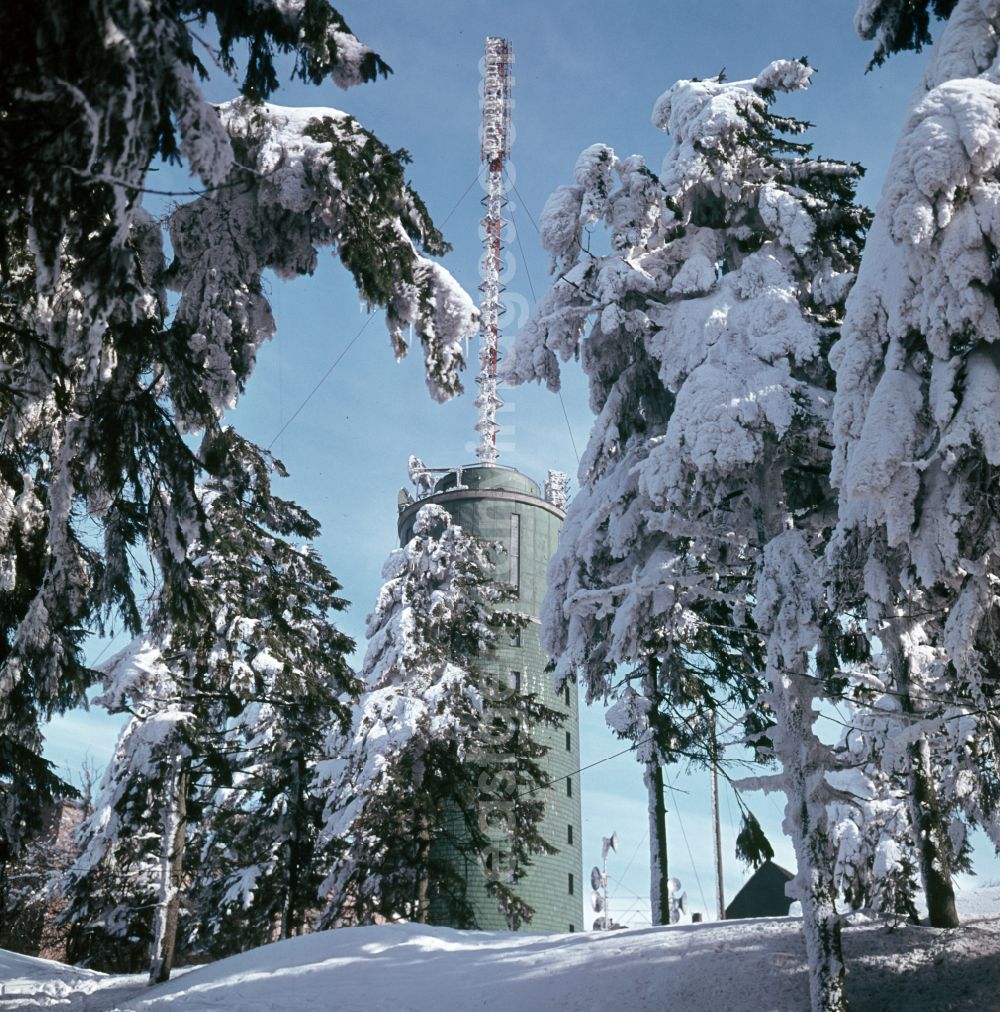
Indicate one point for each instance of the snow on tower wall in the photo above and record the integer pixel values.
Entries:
(557, 489)
(501, 504)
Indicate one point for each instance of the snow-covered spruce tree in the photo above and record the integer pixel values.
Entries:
(28, 782)
(258, 862)
(32, 892)
(101, 379)
(745, 449)
(733, 284)
(878, 854)
(256, 823)
(29, 787)
(651, 633)
(916, 427)
(130, 845)
(255, 657)
(625, 592)
(914, 729)
(442, 757)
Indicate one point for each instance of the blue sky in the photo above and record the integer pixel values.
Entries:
(584, 73)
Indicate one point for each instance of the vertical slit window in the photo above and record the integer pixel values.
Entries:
(515, 550)
(571, 883)
(569, 746)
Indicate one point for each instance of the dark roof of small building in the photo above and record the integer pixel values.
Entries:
(763, 895)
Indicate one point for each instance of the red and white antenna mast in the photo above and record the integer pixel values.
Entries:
(495, 147)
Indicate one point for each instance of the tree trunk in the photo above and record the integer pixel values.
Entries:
(789, 599)
(805, 822)
(171, 867)
(658, 892)
(935, 868)
(423, 872)
(293, 869)
(4, 889)
(924, 806)
(652, 776)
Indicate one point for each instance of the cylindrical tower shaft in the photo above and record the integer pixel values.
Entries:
(500, 504)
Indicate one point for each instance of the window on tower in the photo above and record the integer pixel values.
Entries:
(515, 550)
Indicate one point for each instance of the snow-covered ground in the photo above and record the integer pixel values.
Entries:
(733, 966)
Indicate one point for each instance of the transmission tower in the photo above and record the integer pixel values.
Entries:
(494, 149)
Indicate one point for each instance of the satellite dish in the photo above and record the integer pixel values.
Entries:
(596, 878)
(677, 900)
(613, 842)
(597, 901)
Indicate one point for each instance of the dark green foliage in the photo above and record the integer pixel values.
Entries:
(29, 892)
(103, 382)
(28, 787)
(752, 844)
(47, 675)
(900, 25)
(375, 178)
(268, 31)
(68, 116)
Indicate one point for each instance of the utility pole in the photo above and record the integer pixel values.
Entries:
(609, 843)
(720, 897)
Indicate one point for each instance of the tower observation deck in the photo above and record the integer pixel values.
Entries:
(501, 504)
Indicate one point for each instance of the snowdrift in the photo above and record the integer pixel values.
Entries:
(733, 966)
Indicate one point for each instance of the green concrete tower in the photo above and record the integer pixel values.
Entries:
(501, 504)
